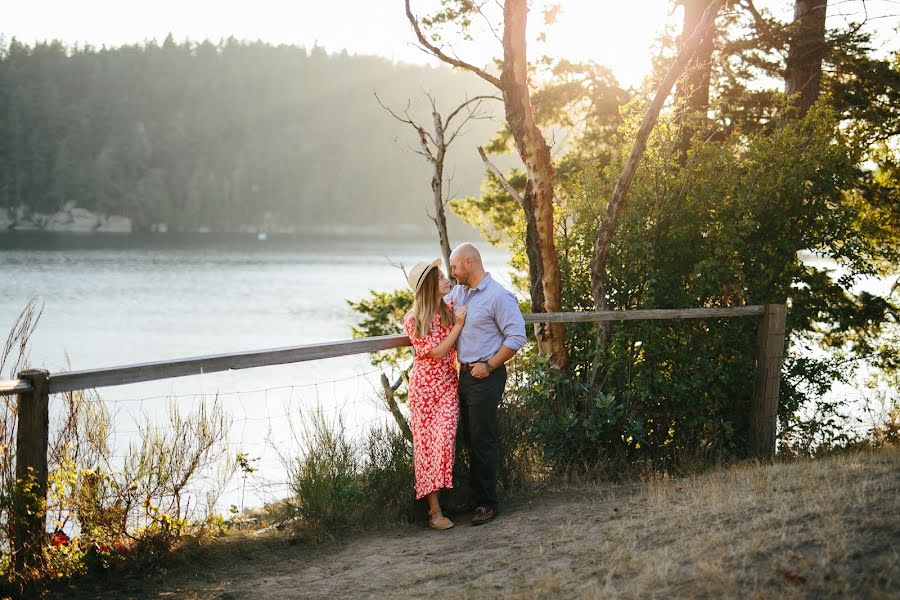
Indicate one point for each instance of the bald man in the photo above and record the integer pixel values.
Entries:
(494, 332)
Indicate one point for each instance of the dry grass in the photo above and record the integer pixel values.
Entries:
(825, 528)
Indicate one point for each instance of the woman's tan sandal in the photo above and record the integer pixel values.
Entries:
(440, 524)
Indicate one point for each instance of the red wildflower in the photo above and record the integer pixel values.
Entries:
(58, 538)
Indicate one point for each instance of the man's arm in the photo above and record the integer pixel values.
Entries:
(501, 357)
(509, 320)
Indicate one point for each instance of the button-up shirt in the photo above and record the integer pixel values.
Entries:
(493, 319)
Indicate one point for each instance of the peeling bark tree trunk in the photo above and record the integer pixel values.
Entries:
(692, 94)
(807, 48)
(620, 192)
(546, 286)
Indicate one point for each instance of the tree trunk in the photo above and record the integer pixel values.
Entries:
(437, 189)
(807, 48)
(546, 286)
(692, 94)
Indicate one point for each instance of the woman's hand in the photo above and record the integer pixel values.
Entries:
(459, 315)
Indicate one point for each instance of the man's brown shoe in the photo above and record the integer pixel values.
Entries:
(484, 514)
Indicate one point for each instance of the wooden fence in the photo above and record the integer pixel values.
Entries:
(34, 388)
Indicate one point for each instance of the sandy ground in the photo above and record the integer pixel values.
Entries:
(819, 529)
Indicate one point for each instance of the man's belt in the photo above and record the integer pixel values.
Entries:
(467, 367)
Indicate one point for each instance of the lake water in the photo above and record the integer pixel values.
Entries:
(115, 300)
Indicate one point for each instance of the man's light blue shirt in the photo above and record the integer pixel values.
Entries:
(493, 319)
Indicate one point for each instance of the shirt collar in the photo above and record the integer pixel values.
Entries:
(483, 283)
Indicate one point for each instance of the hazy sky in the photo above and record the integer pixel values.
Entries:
(617, 33)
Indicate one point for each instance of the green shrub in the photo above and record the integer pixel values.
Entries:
(387, 475)
(325, 475)
(341, 484)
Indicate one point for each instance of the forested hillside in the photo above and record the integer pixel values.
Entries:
(218, 135)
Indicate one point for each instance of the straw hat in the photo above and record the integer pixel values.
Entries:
(419, 271)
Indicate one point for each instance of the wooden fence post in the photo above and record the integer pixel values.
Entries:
(28, 524)
(764, 411)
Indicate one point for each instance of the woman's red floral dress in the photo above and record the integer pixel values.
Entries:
(434, 408)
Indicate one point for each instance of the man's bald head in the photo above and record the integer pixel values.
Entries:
(466, 250)
(465, 264)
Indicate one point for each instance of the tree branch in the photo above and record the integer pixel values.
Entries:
(473, 114)
(424, 136)
(477, 99)
(407, 120)
(617, 203)
(762, 26)
(503, 182)
(389, 390)
(488, 23)
(444, 57)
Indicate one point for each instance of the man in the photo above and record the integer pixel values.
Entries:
(494, 332)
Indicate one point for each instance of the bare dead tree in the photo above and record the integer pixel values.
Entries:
(537, 199)
(434, 145)
(616, 205)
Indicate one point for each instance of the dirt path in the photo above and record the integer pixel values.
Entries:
(413, 561)
(827, 528)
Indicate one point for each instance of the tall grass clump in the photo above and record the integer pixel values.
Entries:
(342, 484)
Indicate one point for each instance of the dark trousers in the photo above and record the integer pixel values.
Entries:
(478, 402)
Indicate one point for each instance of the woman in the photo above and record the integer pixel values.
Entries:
(433, 326)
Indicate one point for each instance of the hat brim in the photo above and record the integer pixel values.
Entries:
(436, 263)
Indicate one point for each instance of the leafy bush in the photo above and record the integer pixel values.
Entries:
(387, 475)
(325, 478)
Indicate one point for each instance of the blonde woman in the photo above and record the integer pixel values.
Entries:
(433, 326)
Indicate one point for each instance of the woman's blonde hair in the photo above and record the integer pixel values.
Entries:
(427, 303)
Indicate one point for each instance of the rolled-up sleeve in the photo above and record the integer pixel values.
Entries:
(510, 321)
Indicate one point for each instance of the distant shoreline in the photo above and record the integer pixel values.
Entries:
(413, 231)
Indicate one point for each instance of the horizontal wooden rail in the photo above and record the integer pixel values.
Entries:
(645, 315)
(152, 371)
(11, 387)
